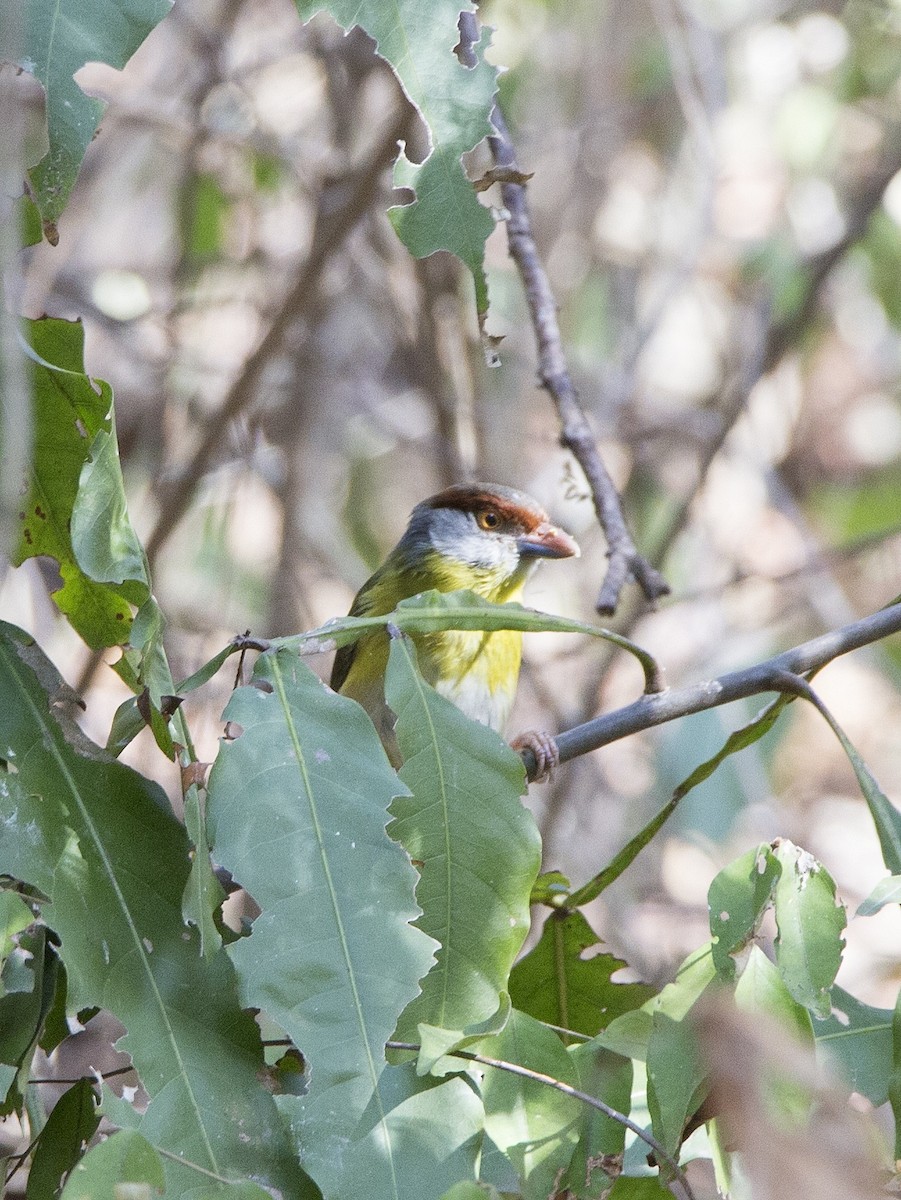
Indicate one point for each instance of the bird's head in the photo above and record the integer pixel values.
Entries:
(482, 536)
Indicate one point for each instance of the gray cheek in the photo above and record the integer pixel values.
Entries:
(486, 553)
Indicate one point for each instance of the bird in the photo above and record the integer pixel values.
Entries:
(480, 536)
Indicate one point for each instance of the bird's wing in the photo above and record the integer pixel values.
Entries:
(365, 604)
(343, 662)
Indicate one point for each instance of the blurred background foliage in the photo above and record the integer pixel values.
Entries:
(717, 196)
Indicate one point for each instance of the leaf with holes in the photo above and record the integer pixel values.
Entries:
(297, 809)
(810, 922)
(417, 40)
(566, 980)
(53, 42)
(101, 842)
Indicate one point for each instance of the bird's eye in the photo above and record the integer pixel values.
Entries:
(488, 519)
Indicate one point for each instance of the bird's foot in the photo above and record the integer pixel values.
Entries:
(543, 746)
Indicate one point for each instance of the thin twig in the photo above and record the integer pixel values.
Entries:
(99, 1074)
(768, 676)
(341, 206)
(614, 1114)
(625, 562)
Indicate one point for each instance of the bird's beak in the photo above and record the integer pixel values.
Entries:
(547, 541)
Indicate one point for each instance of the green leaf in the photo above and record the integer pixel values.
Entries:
(886, 891)
(478, 846)
(551, 888)
(536, 1126)
(629, 1034)
(857, 1039)
(599, 1151)
(740, 739)
(810, 922)
(206, 672)
(760, 989)
(203, 892)
(69, 1128)
(124, 1158)
(565, 980)
(894, 1088)
(632, 1188)
(56, 42)
(69, 412)
(737, 899)
(296, 809)
(432, 612)
(436, 1044)
(30, 979)
(417, 1137)
(15, 915)
(417, 39)
(886, 817)
(100, 841)
(675, 1077)
(468, 1190)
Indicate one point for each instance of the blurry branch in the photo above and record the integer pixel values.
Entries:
(701, 91)
(825, 558)
(774, 339)
(441, 367)
(341, 205)
(782, 674)
(625, 562)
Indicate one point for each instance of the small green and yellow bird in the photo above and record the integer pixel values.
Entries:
(479, 536)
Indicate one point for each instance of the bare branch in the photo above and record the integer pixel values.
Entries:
(625, 562)
(340, 208)
(783, 673)
(553, 373)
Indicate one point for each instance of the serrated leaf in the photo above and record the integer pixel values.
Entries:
(101, 842)
(124, 1158)
(56, 42)
(417, 39)
(810, 922)
(536, 1126)
(69, 1128)
(478, 846)
(886, 891)
(737, 899)
(297, 808)
(857, 1039)
(565, 980)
